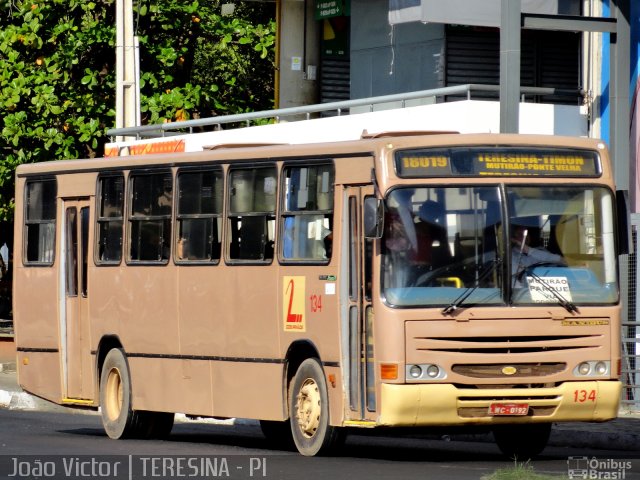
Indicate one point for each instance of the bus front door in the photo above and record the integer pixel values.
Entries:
(77, 364)
(359, 317)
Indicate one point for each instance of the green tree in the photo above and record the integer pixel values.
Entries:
(215, 64)
(57, 72)
(55, 83)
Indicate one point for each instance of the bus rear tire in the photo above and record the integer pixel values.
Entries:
(309, 411)
(157, 424)
(118, 418)
(522, 442)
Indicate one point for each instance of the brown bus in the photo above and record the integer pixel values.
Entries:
(395, 281)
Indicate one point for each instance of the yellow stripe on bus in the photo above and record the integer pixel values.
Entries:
(76, 401)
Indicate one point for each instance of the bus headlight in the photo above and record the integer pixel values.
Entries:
(584, 368)
(433, 371)
(601, 368)
(592, 368)
(428, 371)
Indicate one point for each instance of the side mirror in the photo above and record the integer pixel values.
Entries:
(625, 239)
(373, 218)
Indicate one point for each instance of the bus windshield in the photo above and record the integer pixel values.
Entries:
(497, 245)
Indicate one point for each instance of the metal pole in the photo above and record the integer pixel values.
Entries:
(119, 64)
(126, 84)
(510, 22)
(619, 92)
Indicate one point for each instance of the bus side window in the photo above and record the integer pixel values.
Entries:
(40, 222)
(110, 218)
(252, 210)
(150, 217)
(307, 220)
(199, 215)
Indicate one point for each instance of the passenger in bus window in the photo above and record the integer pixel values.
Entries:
(307, 237)
(328, 244)
(398, 246)
(524, 255)
(396, 236)
(432, 243)
(182, 249)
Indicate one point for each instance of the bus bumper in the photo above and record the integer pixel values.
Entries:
(441, 405)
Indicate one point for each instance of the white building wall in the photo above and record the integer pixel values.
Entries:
(468, 116)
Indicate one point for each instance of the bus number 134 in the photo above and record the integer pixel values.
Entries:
(316, 303)
(581, 396)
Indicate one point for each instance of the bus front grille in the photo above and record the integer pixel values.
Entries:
(506, 345)
(511, 370)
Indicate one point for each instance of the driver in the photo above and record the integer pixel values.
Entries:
(523, 255)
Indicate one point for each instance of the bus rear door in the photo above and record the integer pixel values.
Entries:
(77, 365)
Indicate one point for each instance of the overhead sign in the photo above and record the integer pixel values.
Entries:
(329, 9)
(497, 161)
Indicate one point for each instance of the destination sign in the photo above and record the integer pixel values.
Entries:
(497, 161)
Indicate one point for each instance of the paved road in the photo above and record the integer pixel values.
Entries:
(42, 434)
(61, 438)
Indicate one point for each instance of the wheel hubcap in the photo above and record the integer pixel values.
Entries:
(308, 408)
(114, 394)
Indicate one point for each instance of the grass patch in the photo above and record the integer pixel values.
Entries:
(520, 471)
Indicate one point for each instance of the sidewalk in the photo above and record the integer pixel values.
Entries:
(622, 433)
(11, 395)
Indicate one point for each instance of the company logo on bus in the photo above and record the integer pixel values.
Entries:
(509, 370)
(293, 304)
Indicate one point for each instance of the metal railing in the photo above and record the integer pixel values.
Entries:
(631, 329)
(338, 108)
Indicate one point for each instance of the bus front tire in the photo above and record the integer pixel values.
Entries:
(309, 411)
(522, 442)
(278, 434)
(118, 417)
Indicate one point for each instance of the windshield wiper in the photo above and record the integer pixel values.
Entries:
(453, 306)
(569, 306)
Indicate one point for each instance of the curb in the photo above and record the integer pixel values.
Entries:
(17, 400)
(7, 367)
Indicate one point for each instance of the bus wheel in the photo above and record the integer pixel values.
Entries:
(309, 411)
(158, 424)
(522, 442)
(118, 418)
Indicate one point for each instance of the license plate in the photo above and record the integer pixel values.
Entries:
(508, 409)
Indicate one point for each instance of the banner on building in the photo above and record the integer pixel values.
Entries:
(469, 12)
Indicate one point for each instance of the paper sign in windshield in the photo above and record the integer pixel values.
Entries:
(542, 289)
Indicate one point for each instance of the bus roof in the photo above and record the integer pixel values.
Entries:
(245, 152)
